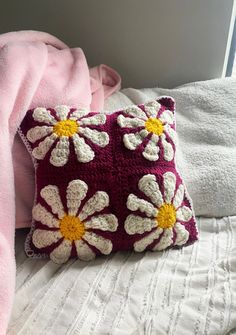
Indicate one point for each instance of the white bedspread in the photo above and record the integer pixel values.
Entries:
(186, 291)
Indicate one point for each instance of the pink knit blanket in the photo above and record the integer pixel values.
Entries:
(36, 69)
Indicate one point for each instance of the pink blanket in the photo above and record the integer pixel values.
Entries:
(36, 69)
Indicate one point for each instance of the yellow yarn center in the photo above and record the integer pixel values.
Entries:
(166, 217)
(66, 128)
(155, 126)
(71, 228)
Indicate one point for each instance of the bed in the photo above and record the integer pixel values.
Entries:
(186, 291)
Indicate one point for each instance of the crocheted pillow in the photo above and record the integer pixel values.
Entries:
(106, 182)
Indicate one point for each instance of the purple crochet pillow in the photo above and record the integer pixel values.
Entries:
(106, 182)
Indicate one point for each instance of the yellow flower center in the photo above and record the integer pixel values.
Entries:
(155, 126)
(166, 217)
(71, 228)
(66, 128)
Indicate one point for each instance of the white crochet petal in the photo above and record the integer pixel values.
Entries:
(151, 151)
(102, 244)
(51, 195)
(167, 117)
(100, 138)
(41, 114)
(148, 185)
(135, 224)
(62, 253)
(38, 132)
(169, 181)
(136, 112)
(62, 112)
(143, 133)
(60, 154)
(96, 203)
(184, 214)
(42, 215)
(83, 151)
(127, 122)
(77, 114)
(168, 149)
(105, 222)
(172, 133)
(94, 120)
(179, 196)
(165, 241)
(84, 252)
(42, 238)
(41, 150)
(132, 141)
(182, 235)
(134, 204)
(75, 192)
(142, 244)
(154, 138)
(152, 108)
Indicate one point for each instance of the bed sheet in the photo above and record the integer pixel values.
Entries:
(183, 291)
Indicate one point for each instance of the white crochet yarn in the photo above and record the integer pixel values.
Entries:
(41, 150)
(62, 112)
(102, 244)
(75, 193)
(167, 117)
(79, 224)
(168, 149)
(59, 155)
(94, 120)
(142, 244)
(135, 112)
(42, 115)
(128, 122)
(67, 126)
(103, 222)
(151, 150)
(96, 203)
(151, 108)
(138, 225)
(134, 204)
(38, 132)
(83, 151)
(131, 141)
(169, 180)
(51, 195)
(166, 240)
(147, 184)
(78, 113)
(163, 214)
(135, 117)
(42, 215)
(100, 138)
(43, 238)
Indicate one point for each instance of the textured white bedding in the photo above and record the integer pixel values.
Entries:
(186, 291)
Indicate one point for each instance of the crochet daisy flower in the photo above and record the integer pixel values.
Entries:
(152, 125)
(60, 127)
(73, 228)
(165, 214)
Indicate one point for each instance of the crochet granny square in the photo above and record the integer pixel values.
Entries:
(106, 182)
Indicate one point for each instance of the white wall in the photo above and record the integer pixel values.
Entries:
(150, 42)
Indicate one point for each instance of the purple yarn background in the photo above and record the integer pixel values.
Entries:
(114, 169)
